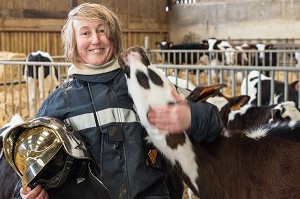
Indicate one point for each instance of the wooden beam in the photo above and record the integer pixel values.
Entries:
(45, 14)
(73, 3)
(31, 24)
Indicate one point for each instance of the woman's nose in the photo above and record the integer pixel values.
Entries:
(96, 38)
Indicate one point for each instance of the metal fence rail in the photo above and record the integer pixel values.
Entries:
(14, 90)
(285, 74)
(284, 56)
(14, 97)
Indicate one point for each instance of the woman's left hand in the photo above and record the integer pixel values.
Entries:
(174, 118)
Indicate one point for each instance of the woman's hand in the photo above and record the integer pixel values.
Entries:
(173, 118)
(36, 193)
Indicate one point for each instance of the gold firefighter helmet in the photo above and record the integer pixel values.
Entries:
(45, 151)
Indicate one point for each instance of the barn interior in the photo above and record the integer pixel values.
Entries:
(28, 26)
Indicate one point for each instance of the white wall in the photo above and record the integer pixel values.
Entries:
(250, 19)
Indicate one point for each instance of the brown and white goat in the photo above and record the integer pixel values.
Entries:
(258, 163)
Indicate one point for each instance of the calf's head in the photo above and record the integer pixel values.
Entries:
(130, 55)
(136, 54)
(285, 111)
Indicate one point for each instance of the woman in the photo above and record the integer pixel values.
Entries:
(96, 104)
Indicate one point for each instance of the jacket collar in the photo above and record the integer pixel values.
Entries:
(86, 69)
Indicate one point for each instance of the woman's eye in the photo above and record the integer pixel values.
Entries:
(101, 31)
(84, 33)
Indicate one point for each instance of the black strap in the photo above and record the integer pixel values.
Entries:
(60, 178)
(97, 124)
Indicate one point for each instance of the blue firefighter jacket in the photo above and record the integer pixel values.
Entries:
(101, 110)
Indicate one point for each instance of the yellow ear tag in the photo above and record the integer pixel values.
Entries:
(236, 107)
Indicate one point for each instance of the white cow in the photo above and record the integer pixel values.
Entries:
(41, 80)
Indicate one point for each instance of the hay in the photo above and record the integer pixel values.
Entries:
(9, 106)
(4, 55)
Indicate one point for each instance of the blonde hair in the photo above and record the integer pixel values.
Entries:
(93, 12)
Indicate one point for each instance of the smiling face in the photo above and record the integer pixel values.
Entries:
(93, 46)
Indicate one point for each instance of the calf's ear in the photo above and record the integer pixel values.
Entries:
(200, 93)
(145, 60)
(121, 61)
(123, 65)
(295, 85)
(158, 44)
(237, 102)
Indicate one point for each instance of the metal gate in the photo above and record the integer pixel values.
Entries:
(14, 90)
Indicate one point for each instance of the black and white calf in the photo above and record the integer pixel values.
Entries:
(41, 80)
(297, 58)
(148, 87)
(245, 56)
(8, 177)
(285, 111)
(227, 54)
(236, 113)
(176, 53)
(252, 81)
(182, 57)
(267, 56)
(257, 163)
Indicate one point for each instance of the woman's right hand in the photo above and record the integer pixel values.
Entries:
(36, 193)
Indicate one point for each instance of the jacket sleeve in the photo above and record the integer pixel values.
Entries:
(206, 122)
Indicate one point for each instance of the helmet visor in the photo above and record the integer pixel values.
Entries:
(34, 148)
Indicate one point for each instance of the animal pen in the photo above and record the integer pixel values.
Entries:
(14, 91)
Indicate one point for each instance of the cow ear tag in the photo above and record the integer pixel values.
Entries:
(236, 107)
